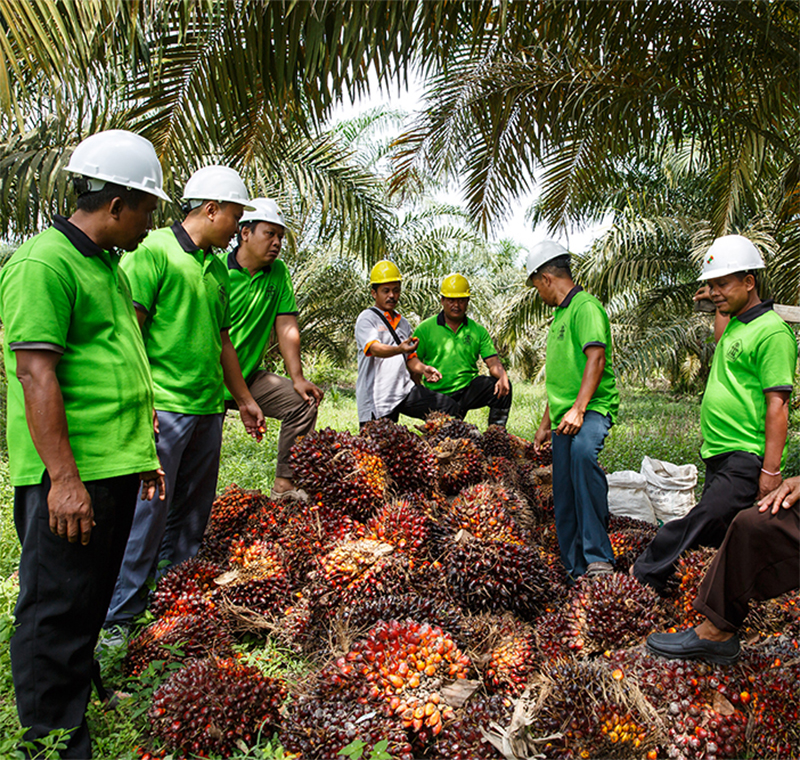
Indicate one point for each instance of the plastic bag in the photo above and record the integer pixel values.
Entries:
(670, 487)
(627, 496)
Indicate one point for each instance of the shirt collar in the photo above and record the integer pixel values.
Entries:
(233, 262)
(754, 312)
(568, 300)
(77, 237)
(440, 320)
(183, 238)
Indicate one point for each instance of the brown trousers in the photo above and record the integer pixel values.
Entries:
(759, 559)
(278, 399)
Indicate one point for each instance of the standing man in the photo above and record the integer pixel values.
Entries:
(745, 412)
(80, 425)
(262, 297)
(387, 358)
(453, 343)
(181, 292)
(582, 402)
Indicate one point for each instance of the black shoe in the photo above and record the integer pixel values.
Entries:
(686, 645)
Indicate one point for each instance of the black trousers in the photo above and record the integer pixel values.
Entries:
(480, 393)
(422, 401)
(731, 486)
(64, 591)
(758, 560)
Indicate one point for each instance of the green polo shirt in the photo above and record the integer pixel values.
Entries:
(255, 303)
(454, 354)
(61, 292)
(184, 292)
(756, 353)
(579, 322)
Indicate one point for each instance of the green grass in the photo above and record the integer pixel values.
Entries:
(650, 423)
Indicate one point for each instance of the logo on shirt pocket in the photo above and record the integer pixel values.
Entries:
(561, 333)
(734, 351)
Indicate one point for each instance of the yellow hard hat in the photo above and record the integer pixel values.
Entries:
(384, 271)
(455, 286)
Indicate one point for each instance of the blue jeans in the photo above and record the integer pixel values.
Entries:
(170, 531)
(580, 495)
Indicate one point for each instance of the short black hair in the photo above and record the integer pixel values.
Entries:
(744, 272)
(559, 267)
(93, 200)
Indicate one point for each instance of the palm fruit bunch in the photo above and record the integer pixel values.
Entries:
(408, 457)
(702, 705)
(488, 512)
(545, 498)
(690, 569)
(544, 457)
(606, 612)
(229, 513)
(340, 470)
(512, 663)
(623, 523)
(184, 588)
(500, 470)
(364, 614)
(431, 505)
(463, 738)
(439, 426)
(498, 442)
(773, 616)
(319, 728)
(461, 463)
(526, 480)
(406, 664)
(629, 538)
(402, 525)
(256, 580)
(773, 690)
(212, 705)
(587, 710)
(355, 570)
(173, 639)
(300, 530)
(495, 576)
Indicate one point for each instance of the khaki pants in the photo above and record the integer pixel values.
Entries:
(278, 399)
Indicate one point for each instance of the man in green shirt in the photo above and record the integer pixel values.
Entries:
(582, 402)
(452, 343)
(745, 412)
(262, 297)
(180, 289)
(80, 426)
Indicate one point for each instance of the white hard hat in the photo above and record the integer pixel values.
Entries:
(729, 254)
(264, 210)
(540, 254)
(121, 157)
(216, 183)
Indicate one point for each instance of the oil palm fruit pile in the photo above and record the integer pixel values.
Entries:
(422, 584)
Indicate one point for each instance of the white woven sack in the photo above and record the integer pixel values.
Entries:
(627, 496)
(670, 487)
